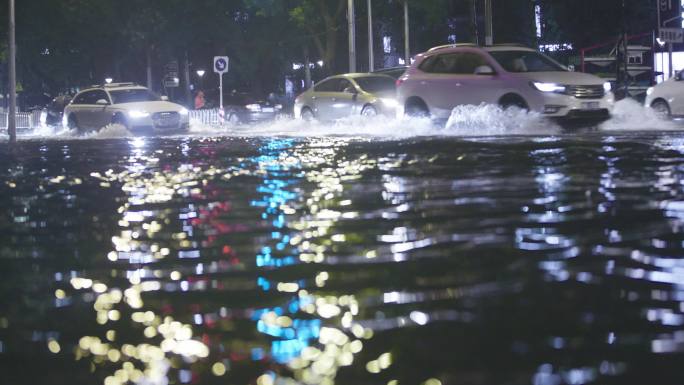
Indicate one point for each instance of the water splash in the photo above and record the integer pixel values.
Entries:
(488, 120)
(465, 121)
(630, 115)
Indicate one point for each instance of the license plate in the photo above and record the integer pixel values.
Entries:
(591, 105)
(267, 109)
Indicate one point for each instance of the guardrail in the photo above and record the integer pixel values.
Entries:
(208, 117)
(25, 120)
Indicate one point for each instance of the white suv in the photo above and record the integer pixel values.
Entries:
(507, 75)
(128, 104)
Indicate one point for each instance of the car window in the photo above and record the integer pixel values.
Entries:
(330, 85)
(133, 95)
(525, 61)
(84, 98)
(374, 84)
(99, 94)
(453, 63)
(343, 85)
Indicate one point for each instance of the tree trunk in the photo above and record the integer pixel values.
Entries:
(150, 48)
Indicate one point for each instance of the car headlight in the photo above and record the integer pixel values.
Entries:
(649, 91)
(607, 87)
(253, 107)
(183, 111)
(389, 102)
(137, 114)
(548, 87)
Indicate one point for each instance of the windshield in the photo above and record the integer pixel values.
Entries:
(525, 61)
(133, 95)
(375, 84)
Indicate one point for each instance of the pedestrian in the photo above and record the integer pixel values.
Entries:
(199, 100)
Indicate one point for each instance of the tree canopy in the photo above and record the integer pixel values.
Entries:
(69, 43)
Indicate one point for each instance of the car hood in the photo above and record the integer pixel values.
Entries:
(566, 78)
(151, 107)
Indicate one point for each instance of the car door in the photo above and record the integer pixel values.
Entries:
(324, 98)
(343, 100)
(80, 109)
(440, 86)
(476, 88)
(100, 114)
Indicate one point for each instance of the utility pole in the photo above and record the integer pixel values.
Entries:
(407, 50)
(371, 56)
(473, 21)
(12, 116)
(489, 28)
(351, 21)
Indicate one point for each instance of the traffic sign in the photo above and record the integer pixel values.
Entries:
(671, 35)
(669, 11)
(221, 64)
(171, 82)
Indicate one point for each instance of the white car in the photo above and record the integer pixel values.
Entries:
(339, 96)
(667, 98)
(507, 75)
(128, 104)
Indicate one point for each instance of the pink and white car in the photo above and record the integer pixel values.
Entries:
(506, 75)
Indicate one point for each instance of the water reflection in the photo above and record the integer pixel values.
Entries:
(332, 260)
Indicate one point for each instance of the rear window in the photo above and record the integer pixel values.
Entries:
(374, 84)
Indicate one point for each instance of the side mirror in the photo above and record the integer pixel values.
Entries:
(102, 102)
(484, 70)
(679, 76)
(350, 90)
(571, 68)
(164, 98)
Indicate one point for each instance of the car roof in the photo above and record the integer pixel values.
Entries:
(356, 75)
(115, 86)
(489, 48)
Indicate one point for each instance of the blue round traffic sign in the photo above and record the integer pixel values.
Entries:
(220, 65)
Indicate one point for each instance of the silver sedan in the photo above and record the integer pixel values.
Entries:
(347, 95)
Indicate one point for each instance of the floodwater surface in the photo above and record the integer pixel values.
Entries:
(367, 253)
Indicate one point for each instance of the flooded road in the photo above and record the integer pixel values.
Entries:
(365, 253)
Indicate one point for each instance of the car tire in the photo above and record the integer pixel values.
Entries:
(416, 109)
(516, 101)
(233, 119)
(307, 115)
(661, 109)
(119, 119)
(72, 123)
(369, 111)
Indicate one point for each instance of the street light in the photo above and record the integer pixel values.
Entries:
(201, 73)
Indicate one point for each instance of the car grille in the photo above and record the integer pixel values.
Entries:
(585, 92)
(166, 119)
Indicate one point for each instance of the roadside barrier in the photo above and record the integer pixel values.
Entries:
(209, 117)
(25, 120)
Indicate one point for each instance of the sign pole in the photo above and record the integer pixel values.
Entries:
(221, 90)
(12, 116)
(221, 67)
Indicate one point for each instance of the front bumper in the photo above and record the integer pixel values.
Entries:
(160, 122)
(569, 107)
